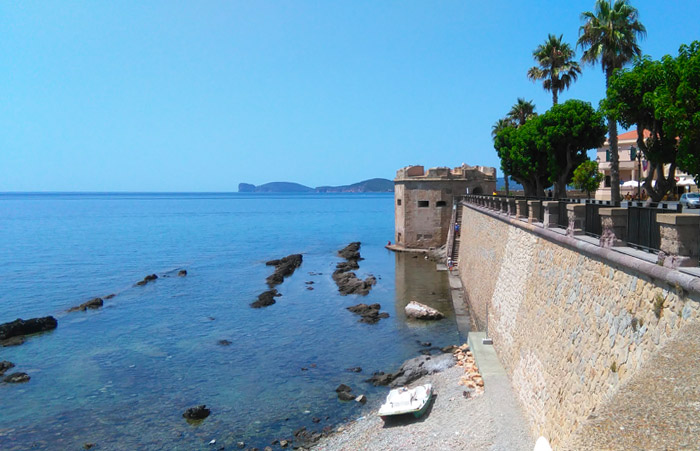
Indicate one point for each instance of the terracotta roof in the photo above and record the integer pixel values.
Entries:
(632, 134)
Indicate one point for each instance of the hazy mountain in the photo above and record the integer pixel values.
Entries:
(366, 186)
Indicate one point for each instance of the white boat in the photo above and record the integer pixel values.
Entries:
(404, 400)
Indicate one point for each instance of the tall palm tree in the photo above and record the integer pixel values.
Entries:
(497, 127)
(521, 111)
(555, 65)
(609, 35)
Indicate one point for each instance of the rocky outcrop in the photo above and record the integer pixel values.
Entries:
(16, 378)
(149, 278)
(416, 310)
(196, 413)
(182, 273)
(5, 365)
(21, 327)
(346, 280)
(266, 298)
(370, 313)
(284, 267)
(344, 393)
(92, 304)
(414, 369)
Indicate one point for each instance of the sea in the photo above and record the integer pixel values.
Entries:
(120, 377)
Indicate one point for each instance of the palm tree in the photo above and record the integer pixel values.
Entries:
(521, 111)
(609, 35)
(555, 65)
(497, 127)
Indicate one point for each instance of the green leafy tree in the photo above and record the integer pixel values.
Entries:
(567, 131)
(555, 66)
(587, 177)
(497, 127)
(609, 36)
(662, 97)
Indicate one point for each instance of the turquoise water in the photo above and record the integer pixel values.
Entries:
(121, 376)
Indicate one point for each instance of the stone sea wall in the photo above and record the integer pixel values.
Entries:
(569, 323)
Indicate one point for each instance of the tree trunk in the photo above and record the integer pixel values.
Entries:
(507, 187)
(555, 96)
(614, 157)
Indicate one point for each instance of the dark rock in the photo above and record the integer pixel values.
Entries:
(88, 445)
(355, 369)
(304, 369)
(427, 344)
(351, 251)
(343, 388)
(182, 273)
(224, 342)
(315, 420)
(149, 278)
(310, 288)
(92, 304)
(20, 327)
(109, 296)
(369, 313)
(413, 369)
(284, 267)
(265, 298)
(345, 396)
(380, 378)
(5, 365)
(310, 282)
(17, 378)
(197, 413)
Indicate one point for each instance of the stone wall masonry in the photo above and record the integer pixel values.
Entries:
(570, 321)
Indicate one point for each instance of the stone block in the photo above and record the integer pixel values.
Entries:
(521, 209)
(577, 219)
(533, 207)
(614, 225)
(551, 213)
(679, 239)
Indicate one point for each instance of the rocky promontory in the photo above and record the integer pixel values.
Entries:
(414, 369)
(20, 327)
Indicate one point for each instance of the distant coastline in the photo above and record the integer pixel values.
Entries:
(377, 185)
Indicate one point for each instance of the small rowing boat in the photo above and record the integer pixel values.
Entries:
(405, 401)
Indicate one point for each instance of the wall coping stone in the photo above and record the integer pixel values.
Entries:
(678, 218)
(670, 276)
(611, 211)
(574, 207)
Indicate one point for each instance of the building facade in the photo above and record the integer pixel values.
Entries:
(633, 167)
(423, 200)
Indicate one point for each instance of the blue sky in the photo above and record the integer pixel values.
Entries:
(200, 96)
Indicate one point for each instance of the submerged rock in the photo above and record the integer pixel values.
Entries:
(182, 273)
(92, 304)
(351, 251)
(149, 278)
(347, 281)
(223, 342)
(417, 310)
(370, 313)
(109, 296)
(5, 365)
(266, 298)
(17, 378)
(197, 413)
(354, 369)
(14, 341)
(20, 327)
(344, 393)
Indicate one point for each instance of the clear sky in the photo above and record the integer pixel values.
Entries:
(203, 95)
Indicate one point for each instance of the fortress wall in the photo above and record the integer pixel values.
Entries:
(570, 322)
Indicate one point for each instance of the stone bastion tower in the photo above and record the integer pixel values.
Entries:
(424, 200)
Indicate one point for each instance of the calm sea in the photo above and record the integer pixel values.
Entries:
(122, 376)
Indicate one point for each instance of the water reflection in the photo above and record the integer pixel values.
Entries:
(418, 280)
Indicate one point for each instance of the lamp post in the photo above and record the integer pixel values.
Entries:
(638, 155)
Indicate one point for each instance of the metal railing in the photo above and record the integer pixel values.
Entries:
(642, 227)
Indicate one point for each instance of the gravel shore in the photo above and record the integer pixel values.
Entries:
(488, 421)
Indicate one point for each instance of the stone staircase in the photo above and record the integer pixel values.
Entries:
(456, 237)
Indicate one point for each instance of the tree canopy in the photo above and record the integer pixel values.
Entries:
(587, 177)
(662, 97)
(547, 148)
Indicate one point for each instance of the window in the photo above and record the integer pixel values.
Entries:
(607, 181)
(398, 201)
(428, 236)
(423, 203)
(440, 203)
(607, 155)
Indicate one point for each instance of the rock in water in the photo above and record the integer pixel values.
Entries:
(369, 313)
(147, 279)
(284, 267)
(17, 378)
(351, 251)
(417, 310)
(92, 304)
(31, 326)
(265, 299)
(413, 369)
(197, 413)
(4, 366)
(182, 273)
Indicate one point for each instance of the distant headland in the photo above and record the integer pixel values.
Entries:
(366, 186)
